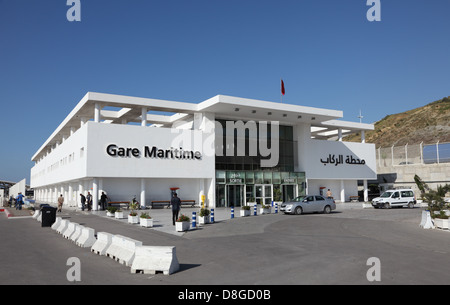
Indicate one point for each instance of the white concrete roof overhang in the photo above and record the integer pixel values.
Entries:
(129, 109)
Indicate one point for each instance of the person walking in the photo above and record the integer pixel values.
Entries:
(60, 203)
(329, 194)
(176, 206)
(89, 201)
(103, 199)
(19, 201)
(83, 201)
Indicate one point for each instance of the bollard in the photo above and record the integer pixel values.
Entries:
(194, 220)
(232, 212)
(276, 208)
(428, 223)
(254, 210)
(212, 215)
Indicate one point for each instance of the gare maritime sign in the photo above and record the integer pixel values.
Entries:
(154, 152)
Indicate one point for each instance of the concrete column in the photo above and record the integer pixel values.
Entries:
(66, 195)
(144, 116)
(211, 193)
(198, 118)
(70, 195)
(97, 113)
(80, 191)
(363, 136)
(366, 191)
(100, 187)
(342, 191)
(95, 194)
(142, 199)
(340, 134)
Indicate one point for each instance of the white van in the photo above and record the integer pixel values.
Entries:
(395, 198)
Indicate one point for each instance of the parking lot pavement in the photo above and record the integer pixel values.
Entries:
(267, 249)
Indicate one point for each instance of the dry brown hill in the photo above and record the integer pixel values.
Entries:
(427, 124)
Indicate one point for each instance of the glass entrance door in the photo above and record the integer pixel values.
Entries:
(235, 195)
(263, 194)
(289, 192)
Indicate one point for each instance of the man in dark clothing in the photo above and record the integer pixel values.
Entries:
(103, 199)
(175, 202)
(89, 201)
(83, 201)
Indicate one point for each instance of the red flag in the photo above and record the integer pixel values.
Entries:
(282, 87)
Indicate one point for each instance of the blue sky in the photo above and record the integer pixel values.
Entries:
(327, 52)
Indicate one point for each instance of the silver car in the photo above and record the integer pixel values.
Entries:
(308, 204)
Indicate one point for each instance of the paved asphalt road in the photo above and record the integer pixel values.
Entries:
(268, 249)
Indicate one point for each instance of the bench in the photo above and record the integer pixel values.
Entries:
(188, 202)
(127, 203)
(354, 198)
(161, 202)
(164, 202)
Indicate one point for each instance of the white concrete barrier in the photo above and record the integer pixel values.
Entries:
(127, 256)
(57, 223)
(70, 229)
(87, 238)
(152, 259)
(424, 219)
(102, 244)
(115, 247)
(77, 233)
(36, 214)
(123, 249)
(426, 222)
(63, 226)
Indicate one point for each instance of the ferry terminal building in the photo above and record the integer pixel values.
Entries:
(228, 150)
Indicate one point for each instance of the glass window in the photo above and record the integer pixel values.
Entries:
(319, 198)
(249, 177)
(220, 177)
(250, 193)
(258, 177)
(268, 191)
(220, 195)
(267, 177)
(276, 177)
(407, 194)
(259, 190)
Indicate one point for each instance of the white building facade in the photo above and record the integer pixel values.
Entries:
(227, 150)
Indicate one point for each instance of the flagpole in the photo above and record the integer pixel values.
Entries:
(281, 91)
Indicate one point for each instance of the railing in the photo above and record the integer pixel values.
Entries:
(413, 154)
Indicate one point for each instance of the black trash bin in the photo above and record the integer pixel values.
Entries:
(48, 215)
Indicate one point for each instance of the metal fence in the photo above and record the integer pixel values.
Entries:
(413, 154)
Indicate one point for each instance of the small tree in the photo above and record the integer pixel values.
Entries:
(435, 199)
(423, 187)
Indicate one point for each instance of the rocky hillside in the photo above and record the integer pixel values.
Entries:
(427, 124)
